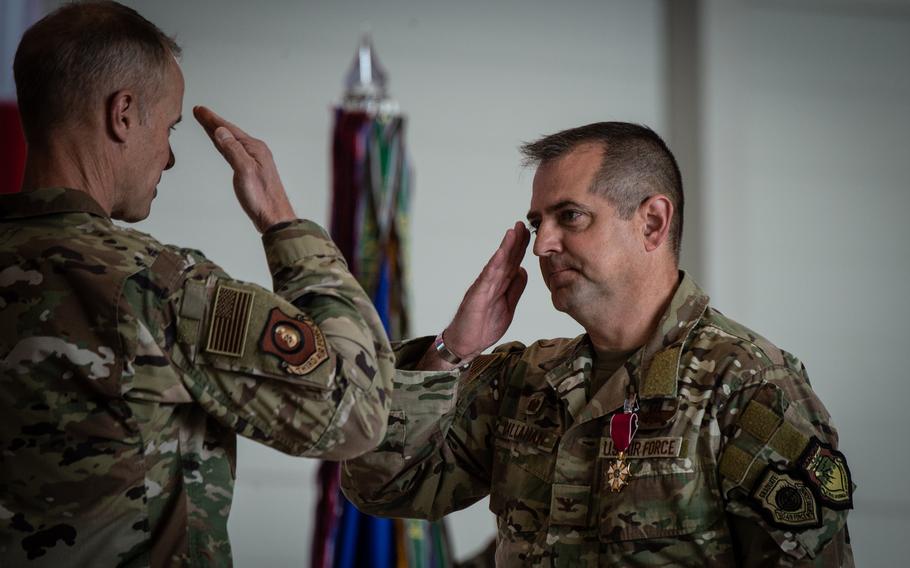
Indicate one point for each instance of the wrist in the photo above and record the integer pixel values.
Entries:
(448, 354)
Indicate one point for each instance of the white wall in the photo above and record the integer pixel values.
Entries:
(806, 114)
(475, 79)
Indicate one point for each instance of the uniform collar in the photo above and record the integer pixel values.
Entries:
(653, 369)
(656, 367)
(48, 201)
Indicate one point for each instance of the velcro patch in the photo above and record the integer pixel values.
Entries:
(662, 374)
(785, 501)
(644, 448)
(297, 341)
(230, 320)
(518, 431)
(759, 420)
(828, 475)
(788, 442)
(734, 464)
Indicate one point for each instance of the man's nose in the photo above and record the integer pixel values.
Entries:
(546, 240)
(170, 160)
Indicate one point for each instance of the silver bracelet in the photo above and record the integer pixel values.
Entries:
(444, 353)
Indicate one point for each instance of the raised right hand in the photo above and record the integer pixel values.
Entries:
(489, 305)
(256, 182)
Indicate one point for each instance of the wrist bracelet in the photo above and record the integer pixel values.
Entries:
(444, 353)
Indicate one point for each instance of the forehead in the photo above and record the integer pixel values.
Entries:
(171, 90)
(566, 178)
(174, 79)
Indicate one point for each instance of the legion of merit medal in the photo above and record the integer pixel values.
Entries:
(622, 430)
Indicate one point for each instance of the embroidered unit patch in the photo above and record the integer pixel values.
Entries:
(828, 475)
(785, 501)
(295, 340)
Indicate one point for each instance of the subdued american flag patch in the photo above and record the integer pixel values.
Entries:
(230, 319)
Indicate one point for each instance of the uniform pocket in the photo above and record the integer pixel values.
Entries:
(657, 506)
(520, 496)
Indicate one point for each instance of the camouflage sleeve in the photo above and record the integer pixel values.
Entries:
(786, 486)
(437, 454)
(305, 369)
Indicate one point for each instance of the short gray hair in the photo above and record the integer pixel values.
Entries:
(636, 165)
(84, 52)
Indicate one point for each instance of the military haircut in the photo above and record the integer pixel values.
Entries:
(83, 53)
(637, 164)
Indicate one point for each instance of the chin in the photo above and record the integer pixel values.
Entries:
(133, 215)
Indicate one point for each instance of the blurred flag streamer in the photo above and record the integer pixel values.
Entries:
(371, 190)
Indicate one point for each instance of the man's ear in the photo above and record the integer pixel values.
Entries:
(656, 213)
(122, 115)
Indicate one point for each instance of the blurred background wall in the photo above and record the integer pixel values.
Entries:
(790, 119)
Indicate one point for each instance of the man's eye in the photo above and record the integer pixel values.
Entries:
(533, 226)
(569, 216)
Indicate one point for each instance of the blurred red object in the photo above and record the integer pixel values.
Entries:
(12, 149)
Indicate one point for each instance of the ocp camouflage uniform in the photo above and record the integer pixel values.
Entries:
(127, 368)
(730, 433)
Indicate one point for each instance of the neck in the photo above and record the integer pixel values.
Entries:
(68, 161)
(628, 320)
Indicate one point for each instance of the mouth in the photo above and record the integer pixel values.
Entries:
(561, 276)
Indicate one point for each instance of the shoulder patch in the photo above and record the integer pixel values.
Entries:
(481, 362)
(828, 475)
(297, 341)
(230, 320)
(785, 500)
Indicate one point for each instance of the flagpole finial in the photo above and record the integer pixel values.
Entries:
(365, 82)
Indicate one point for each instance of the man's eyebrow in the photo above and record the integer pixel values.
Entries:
(564, 204)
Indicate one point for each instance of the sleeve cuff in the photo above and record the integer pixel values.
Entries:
(287, 243)
(409, 353)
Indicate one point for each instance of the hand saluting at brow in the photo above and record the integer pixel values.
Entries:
(257, 184)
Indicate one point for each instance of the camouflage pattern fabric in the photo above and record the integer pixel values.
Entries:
(719, 406)
(127, 368)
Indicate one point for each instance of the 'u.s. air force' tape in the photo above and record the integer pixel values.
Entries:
(644, 448)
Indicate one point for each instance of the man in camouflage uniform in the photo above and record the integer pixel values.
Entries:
(128, 367)
(734, 460)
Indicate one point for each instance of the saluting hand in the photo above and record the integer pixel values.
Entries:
(489, 305)
(257, 184)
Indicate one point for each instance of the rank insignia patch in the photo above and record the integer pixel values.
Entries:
(230, 319)
(296, 341)
(785, 501)
(828, 474)
(535, 403)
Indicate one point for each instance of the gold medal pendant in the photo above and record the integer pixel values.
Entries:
(623, 427)
(618, 473)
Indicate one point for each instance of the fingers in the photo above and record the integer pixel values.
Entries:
(502, 268)
(231, 148)
(224, 135)
(519, 243)
(210, 121)
(516, 289)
